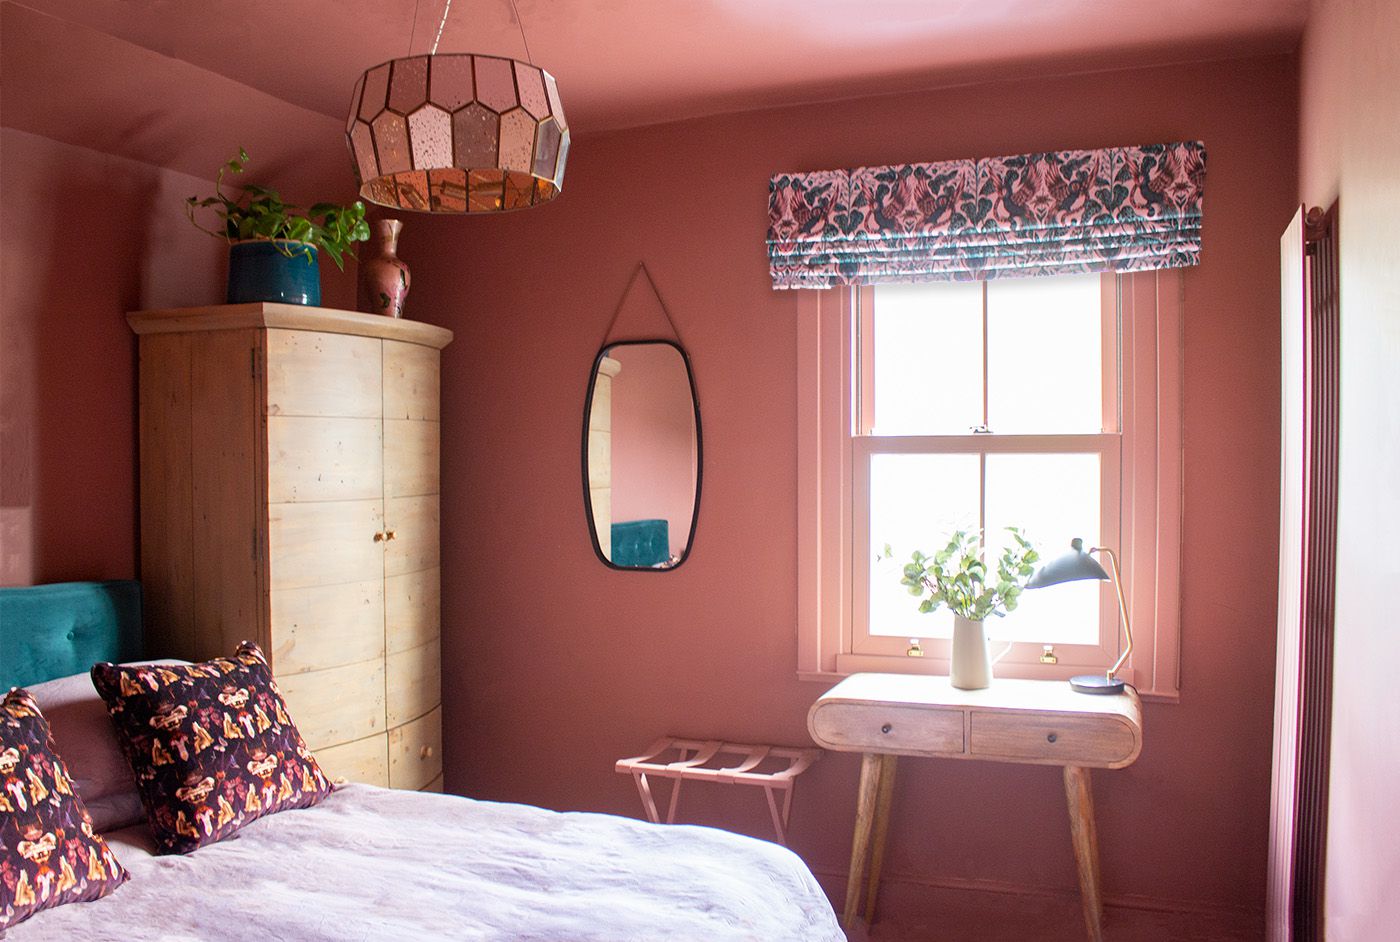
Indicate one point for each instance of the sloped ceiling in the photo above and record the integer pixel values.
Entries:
(631, 62)
(182, 83)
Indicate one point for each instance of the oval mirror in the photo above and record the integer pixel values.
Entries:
(641, 455)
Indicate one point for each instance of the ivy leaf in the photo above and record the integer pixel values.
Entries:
(958, 575)
(259, 212)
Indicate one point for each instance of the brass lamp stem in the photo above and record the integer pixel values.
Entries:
(1122, 607)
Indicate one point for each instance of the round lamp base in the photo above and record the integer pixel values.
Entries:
(1096, 683)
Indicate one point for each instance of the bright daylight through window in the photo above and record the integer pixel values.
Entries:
(980, 406)
(1050, 404)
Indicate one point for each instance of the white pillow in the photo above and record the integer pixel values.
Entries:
(83, 734)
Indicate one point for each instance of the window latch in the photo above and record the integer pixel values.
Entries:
(1047, 656)
(980, 430)
(914, 649)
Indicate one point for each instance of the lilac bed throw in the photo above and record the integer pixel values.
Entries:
(373, 864)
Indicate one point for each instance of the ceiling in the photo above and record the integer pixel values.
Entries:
(623, 63)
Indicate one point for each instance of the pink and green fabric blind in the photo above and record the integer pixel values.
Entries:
(1116, 209)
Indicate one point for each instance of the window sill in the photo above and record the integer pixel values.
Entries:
(831, 678)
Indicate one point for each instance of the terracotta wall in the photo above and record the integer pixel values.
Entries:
(1350, 151)
(554, 663)
(102, 142)
(86, 238)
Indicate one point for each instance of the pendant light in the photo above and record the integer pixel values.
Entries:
(458, 132)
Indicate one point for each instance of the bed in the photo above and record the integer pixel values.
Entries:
(374, 864)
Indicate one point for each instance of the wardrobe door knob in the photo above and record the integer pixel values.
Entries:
(378, 537)
(389, 535)
(426, 752)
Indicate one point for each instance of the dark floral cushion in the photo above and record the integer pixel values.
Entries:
(211, 745)
(49, 854)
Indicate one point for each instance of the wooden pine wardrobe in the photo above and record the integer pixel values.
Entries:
(289, 496)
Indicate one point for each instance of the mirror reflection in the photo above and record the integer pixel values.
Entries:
(642, 455)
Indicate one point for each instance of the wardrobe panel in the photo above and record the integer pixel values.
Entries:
(412, 609)
(316, 627)
(327, 543)
(414, 546)
(313, 458)
(410, 381)
(411, 457)
(413, 682)
(314, 373)
(337, 705)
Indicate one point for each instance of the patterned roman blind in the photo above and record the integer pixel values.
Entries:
(1115, 209)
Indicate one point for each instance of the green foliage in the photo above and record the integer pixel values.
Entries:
(260, 213)
(957, 576)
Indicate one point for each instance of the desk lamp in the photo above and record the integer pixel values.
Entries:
(1074, 566)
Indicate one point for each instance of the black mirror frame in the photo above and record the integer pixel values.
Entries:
(699, 455)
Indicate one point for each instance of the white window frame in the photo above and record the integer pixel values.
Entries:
(832, 462)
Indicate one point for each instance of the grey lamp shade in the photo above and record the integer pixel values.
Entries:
(1074, 566)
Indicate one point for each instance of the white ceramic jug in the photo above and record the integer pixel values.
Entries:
(971, 667)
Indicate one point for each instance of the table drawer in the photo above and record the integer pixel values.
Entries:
(859, 727)
(1071, 740)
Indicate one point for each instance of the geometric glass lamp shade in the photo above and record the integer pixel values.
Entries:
(457, 133)
(1077, 565)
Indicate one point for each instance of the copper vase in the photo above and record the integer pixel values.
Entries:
(384, 275)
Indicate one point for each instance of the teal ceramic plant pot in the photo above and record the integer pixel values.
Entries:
(258, 270)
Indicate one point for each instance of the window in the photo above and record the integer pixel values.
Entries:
(1042, 403)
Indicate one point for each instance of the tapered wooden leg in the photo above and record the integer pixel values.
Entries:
(860, 841)
(1080, 795)
(882, 829)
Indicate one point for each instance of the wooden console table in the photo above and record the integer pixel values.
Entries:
(1029, 721)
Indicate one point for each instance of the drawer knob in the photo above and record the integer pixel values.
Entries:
(886, 728)
(1052, 737)
(426, 752)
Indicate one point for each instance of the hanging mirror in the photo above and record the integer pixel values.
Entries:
(641, 455)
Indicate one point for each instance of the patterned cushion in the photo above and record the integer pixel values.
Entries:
(49, 853)
(211, 745)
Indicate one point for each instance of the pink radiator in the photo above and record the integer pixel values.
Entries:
(1307, 577)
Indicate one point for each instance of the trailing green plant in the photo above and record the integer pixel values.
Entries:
(957, 576)
(260, 213)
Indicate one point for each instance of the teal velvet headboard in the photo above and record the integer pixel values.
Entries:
(49, 631)
(640, 543)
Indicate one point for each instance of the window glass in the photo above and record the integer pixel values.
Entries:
(1040, 373)
(1044, 355)
(1051, 498)
(928, 359)
(915, 501)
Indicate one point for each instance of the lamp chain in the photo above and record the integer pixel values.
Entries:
(521, 24)
(447, 8)
(413, 30)
(443, 22)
